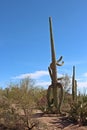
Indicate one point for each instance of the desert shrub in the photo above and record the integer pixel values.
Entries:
(84, 98)
(66, 102)
(8, 114)
(42, 104)
(78, 112)
(42, 100)
(16, 105)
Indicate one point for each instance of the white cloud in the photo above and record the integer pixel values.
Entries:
(85, 74)
(43, 83)
(42, 80)
(35, 75)
(82, 84)
(82, 81)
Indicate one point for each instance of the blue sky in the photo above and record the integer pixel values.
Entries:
(25, 41)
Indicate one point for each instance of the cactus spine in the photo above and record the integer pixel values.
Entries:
(74, 86)
(55, 90)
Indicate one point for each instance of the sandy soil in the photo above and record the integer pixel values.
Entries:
(54, 122)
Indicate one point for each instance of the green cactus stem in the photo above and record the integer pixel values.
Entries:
(74, 86)
(55, 90)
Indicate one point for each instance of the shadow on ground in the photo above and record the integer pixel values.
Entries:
(60, 123)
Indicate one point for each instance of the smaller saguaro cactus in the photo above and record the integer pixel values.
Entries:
(74, 86)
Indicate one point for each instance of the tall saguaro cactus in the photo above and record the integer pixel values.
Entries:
(55, 90)
(74, 86)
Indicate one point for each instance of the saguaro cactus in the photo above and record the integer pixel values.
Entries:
(55, 90)
(74, 86)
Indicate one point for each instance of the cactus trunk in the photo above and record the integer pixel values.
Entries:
(74, 86)
(55, 89)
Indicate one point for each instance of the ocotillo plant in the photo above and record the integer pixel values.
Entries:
(55, 90)
(74, 86)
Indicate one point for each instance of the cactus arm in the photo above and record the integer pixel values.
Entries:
(58, 64)
(50, 72)
(60, 78)
(50, 95)
(60, 96)
(60, 59)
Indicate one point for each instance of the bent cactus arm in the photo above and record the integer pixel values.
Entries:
(60, 64)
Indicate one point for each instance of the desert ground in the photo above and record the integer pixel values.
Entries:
(56, 122)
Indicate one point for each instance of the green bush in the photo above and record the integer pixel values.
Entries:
(16, 105)
(78, 112)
